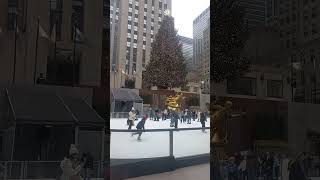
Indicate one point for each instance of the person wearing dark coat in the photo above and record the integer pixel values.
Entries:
(175, 117)
(203, 121)
(296, 171)
(140, 126)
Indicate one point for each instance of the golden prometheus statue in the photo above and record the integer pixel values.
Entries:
(173, 102)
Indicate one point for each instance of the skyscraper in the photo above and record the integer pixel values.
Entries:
(201, 47)
(187, 48)
(199, 25)
(134, 24)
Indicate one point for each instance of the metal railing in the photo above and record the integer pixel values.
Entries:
(171, 137)
(119, 115)
(40, 169)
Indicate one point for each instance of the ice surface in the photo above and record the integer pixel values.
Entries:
(156, 144)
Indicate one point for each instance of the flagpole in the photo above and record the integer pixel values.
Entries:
(55, 40)
(315, 80)
(74, 54)
(36, 55)
(15, 49)
(291, 67)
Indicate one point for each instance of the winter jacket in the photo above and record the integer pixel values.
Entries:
(132, 116)
(140, 125)
(202, 118)
(67, 170)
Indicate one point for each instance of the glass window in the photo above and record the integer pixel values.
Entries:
(128, 44)
(130, 9)
(274, 88)
(242, 86)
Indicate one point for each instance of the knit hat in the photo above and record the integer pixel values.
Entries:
(73, 150)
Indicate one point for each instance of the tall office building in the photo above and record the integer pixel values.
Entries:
(205, 61)
(134, 24)
(201, 47)
(187, 48)
(199, 25)
(255, 12)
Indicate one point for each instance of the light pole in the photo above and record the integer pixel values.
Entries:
(201, 86)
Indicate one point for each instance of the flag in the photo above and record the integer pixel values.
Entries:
(42, 33)
(296, 65)
(80, 37)
(53, 33)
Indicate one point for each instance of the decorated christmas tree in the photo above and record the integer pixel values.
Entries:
(167, 68)
(229, 34)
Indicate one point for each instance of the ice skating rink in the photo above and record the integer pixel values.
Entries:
(156, 144)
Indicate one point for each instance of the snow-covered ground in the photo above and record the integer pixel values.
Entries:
(156, 144)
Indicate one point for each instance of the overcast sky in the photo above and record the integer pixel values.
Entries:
(184, 12)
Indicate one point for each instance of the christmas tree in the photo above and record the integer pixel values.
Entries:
(166, 68)
(229, 35)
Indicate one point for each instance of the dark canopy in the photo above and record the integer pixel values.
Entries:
(38, 105)
(126, 95)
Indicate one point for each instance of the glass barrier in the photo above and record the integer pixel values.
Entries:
(152, 144)
(191, 143)
(157, 143)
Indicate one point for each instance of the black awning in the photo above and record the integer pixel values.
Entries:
(126, 95)
(32, 105)
(36, 105)
(84, 114)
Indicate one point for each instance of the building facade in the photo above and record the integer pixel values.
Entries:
(255, 12)
(298, 25)
(201, 47)
(134, 24)
(187, 48)
(19, 34)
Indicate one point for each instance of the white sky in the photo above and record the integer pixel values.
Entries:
(184, 12)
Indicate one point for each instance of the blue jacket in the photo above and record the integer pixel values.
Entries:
(140, 125)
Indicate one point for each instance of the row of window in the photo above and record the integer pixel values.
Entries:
(247, 86)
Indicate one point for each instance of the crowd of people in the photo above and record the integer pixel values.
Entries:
(266, 166)
(185, 116)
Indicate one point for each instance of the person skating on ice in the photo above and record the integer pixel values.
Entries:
(140, 126)
(203, 121)
(132, 117)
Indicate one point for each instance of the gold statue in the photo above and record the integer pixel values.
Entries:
(219, 119)
(173, 102)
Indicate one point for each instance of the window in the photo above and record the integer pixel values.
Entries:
(242, 86)
(144, 47)
(160, 5)
(144, 42)
(135, 36)
(129, 26)
(152, 2)
(135, 32)
(135, 41)
(152, 28)
(145, 26)
(144, 34)
(145, 18)
(128, 39)
(129, 30)
(129, 18)
(165, 6)
(129, 22)
(146, 1)
(128, 44)
(136, 15)
(137, 7)
(129, 35)
(129, 13)
(151, 40)
(145, 10)
(135, 28)
(130, 7)
(274, 88)
(151, 32)
(134, 55)
(137, 3)
(136, 24)
(152, 20)
(136, 12)
(134, 69)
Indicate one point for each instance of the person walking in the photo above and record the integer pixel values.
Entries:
(175, 119)
(243, 169)
(203, 121)
(232, 169)
(140, 126)
(88, 166)
(132, 118)
(71, 165)
(198, 115)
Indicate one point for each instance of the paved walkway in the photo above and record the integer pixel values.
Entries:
(200, 172)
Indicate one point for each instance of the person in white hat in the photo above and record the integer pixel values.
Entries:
(132, 117)
(71, 165)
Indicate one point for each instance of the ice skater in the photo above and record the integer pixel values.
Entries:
(132, 118)
(140, 126)
(203, 121)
